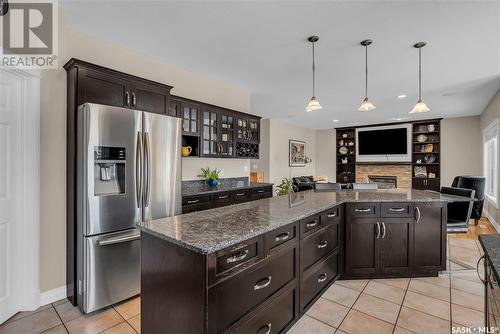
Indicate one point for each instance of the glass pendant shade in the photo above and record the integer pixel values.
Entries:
(419, 107)
(313, 105)
(366, 105)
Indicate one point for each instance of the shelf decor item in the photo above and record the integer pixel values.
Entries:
(422, 138)
(297, 153)
(431, 127)
(427, 148)
(343, 150)
(186, 151)
(344, 160)
(212, 176)
(420, 171)
(429, 158)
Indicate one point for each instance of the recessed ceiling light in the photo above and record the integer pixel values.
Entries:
(402, 96)
(335, 120)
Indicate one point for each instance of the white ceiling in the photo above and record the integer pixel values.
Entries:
(261, 46)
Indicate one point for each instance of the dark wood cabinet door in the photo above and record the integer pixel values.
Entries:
(426, 183)
(433, 184)
(362, 247)
(210, 134)
(190, 114)
(149, 97)
(430, 238)
(103, 88)
(396, 246)
(227, 124)
(174, 108)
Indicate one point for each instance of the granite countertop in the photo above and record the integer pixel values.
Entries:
(198, 187)
(211, 230)
(491, 246)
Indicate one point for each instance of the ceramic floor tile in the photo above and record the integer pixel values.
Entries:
(429, 305)
(456, 266)
(123, 328)
(429, 289)
(378, 308)
(357, 285)
(60, 301)
(463, 243)
(357, 322)
(466, 316)
(341, 295)
(308, 325)
(67, 311)
(468, 276)
(34, 323)
(24, 314)
(400, 330)
(129, 308)
(441, 280)
(385, 291)
(401, 283)
(135, 322)
(56, 330)
(95, 322)
(328, 312)
(420, 322)
(467, 299)
(467, 286)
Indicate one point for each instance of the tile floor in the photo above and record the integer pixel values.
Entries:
(419, 305)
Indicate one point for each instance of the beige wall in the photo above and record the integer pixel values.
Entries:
(490, 113)
(326, 154)
(460, 143)
(53, 131)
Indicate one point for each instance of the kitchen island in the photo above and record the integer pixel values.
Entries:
(257, 267)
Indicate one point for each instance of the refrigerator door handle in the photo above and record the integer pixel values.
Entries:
(118, 240)
(138, 170)
(147, 154)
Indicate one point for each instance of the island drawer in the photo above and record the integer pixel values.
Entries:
(285, 234)
(310, 224)
(261, 192)
(397, 210)
(235, 258)
(315, 246)
(316, 279)
(273, 316)
(363, 210)
(221, 199)
(240, 196)
(232, 299)
(332, 215)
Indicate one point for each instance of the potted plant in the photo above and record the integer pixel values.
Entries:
(285, 187)
(212, 176)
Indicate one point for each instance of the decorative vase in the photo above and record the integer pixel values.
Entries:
(186, 151)
(212, 183)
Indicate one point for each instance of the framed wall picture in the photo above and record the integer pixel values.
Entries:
(297, 153)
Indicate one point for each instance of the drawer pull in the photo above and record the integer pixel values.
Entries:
(238, 256)
(322, 277)
(265, 329)
(282, 236)
(397, 209)
(193, 201)
(363, 210)
(332, 215)
(312, 224)
(223, 197)
(240, 194)
(323, 244)
(260, 191)
(263, 283)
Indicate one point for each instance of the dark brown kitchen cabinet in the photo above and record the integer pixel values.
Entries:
(227, 134)
(424, 183)
(362, 247)
(190, 114)
(210, 134)
(150, 97)
(174, 109)
(248, 128)
(100, 87)
(396, 246)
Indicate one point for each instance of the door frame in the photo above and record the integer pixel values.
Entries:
(26, 251)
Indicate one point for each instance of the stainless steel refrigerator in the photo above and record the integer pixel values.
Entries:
(128, 171)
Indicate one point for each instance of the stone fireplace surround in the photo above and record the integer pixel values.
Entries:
(403, 173)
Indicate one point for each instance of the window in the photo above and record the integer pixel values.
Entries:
(490, 150)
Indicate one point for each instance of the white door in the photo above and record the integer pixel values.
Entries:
(10, 190)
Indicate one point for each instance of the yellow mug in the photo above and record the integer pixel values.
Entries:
(186, 151)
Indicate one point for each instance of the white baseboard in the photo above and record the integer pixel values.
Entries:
(53, 295)
(492, 220)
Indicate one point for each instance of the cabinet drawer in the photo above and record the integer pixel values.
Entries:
(272, 317)
(309, 224)
(261, 192)
(195, 200)
(363, 210)
(315, 281)
(230, 300)
(240, 196)
(221, 199)
(319, 244)
(332, 215)
(396, 210)
(285, 234)
(238, 255)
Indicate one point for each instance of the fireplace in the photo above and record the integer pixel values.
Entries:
(384, 182)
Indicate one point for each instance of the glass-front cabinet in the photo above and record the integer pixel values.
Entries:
(226, 143)
(190, 119)
(218, 134)
(210, 138)
(248, 129)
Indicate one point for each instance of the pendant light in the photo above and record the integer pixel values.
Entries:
(420, 106)
(366, 105)
(313, 104)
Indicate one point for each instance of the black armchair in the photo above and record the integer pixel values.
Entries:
(477, 183)
(304, 182)
(459, 213)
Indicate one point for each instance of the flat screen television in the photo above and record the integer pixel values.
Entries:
(384, 143)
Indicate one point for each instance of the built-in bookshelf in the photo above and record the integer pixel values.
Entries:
(346, 155)
(426, 155)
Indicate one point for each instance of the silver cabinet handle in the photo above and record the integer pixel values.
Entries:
(193, 201)
(378, 231)
(397, 209)
(323, 244)
(363, 210)
(238, 256)
(134, 99)
(267, 329)
(223, 197)
(138, 170)
(332, 215)
(282, 236)
(260, 191)
(240, 194)
(418, 214)
(117, 240)
(383, 230)
(127, 99)
(322, 277)
(263, 283)
(314, 223)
